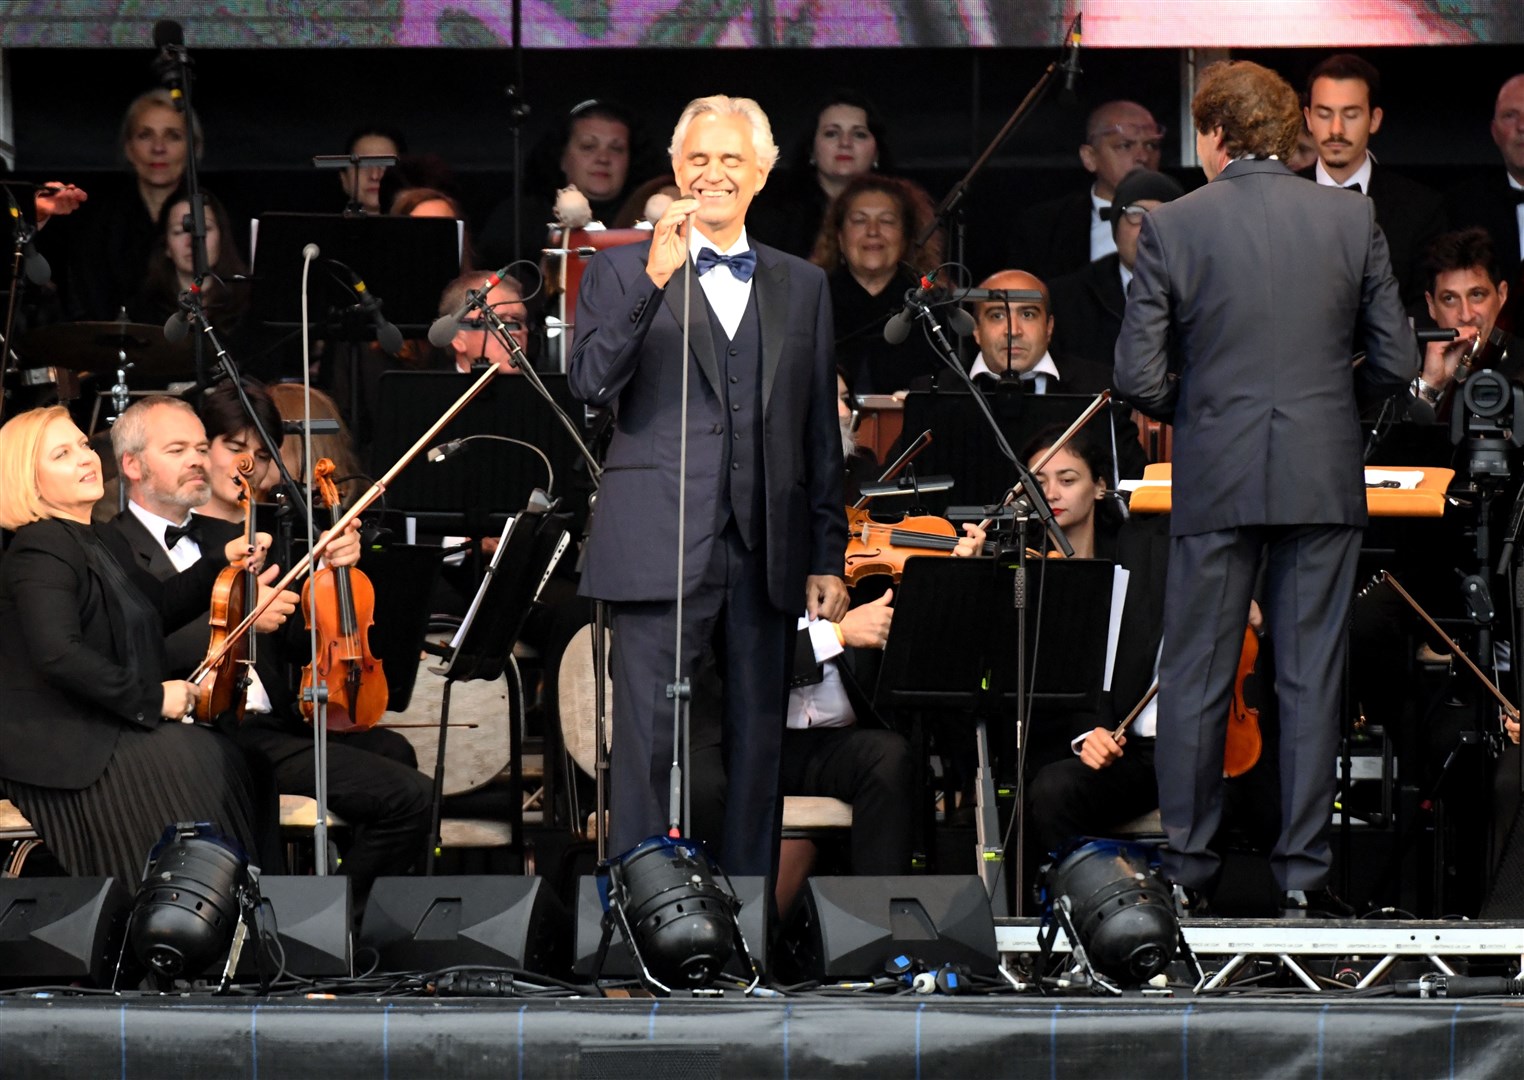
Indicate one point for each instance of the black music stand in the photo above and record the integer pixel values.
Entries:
(965, 447)
(527, 552)
(983, 673)
(467, 492)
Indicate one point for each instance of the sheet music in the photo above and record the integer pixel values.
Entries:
(1119, 578)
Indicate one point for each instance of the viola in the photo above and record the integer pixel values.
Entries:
(233, 596)
(341, 603)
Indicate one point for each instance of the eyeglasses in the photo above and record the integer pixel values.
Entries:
(481, 324)
(1150, 134)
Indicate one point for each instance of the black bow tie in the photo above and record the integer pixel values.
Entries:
(1518, 195)
(1355, 187)
(742, 264)
(175, 533)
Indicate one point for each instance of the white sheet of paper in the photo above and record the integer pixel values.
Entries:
(1119, 577)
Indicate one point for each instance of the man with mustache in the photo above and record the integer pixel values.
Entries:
(1343, 111)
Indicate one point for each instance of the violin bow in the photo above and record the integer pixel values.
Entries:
(375, 491)
(1385, 578)
(1058, 444)
(1137, 710)
(911, 452)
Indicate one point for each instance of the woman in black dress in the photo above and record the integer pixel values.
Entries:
(92, 749)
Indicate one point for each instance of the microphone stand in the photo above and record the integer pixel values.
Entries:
(518, 113)
(953, 200)
(174, 65)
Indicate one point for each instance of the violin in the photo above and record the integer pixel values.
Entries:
(1245, 741)
(878, 548)
(233, 596)
(341, 603)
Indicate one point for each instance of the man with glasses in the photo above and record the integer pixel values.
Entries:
(1087, 304)
(474, 344)
(1066, 233)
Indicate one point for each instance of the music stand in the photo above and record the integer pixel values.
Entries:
(531, 544)
(980, 673)
(965, 448)
(465, 491)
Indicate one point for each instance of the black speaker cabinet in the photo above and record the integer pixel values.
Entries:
(620, 964)
(848, 927)
(58, 930)
(428, 923)
(311, 923)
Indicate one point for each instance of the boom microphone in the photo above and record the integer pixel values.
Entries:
(387, 335)
(897, 329)
(1070, 66)
(445, 326)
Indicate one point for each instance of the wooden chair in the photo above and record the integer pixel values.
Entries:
(17, 832)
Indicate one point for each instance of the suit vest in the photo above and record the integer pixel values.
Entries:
(742, 485)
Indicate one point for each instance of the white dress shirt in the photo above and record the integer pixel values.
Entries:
(185, 554)
(1518, 211)
(1043, 375)
(1361, 176)
(824, 704)
(726, 293)
(1102, 240)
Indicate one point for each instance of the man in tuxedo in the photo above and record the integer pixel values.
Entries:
(1087, 304)
(1343, 111)
(707, 344)
(1064, 234)
(1466, 290)
(1241, 319)
(373, 784)
(1494, 200)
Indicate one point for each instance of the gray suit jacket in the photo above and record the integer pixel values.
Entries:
(1254, 290)
(629, 344)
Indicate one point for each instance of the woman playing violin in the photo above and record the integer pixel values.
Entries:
(91, 748)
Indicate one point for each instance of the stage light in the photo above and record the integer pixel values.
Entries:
(190, 901)
(1106, 895)
(680, 924)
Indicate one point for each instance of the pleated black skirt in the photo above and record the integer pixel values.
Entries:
(155, 778)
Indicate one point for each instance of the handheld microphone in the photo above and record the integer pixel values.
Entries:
(897, 329)
(387, 335)
(1070, 66)
(444, 327)
(1434, 333)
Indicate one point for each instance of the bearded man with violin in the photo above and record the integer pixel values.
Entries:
(373, 783)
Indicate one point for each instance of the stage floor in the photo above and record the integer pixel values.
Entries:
(798, 1037)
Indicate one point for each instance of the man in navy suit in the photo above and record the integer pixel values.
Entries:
(1246, 300)
(763, 527)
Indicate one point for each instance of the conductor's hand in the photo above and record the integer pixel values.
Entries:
(240, 554)
(669, 241)
(179, 699)
(274, 616)
(867, 627)
(344, 550)
(1100, 750)
(55, 199)
(970, 544)
(825, 597)
(1441, 358)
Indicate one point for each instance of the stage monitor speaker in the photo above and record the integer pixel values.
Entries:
(620, 964)
(311, 923)
(429, 923)
(849, 927)
(1505, 897)
(61, 929)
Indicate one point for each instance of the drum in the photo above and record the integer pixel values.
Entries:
(476, 747)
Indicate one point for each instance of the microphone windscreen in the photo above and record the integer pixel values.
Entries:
(389, 337)
(311, 251)
(960, 320)
(897, 329)
(175, 327)
(443, 330)
(38, 272)
(167, 32)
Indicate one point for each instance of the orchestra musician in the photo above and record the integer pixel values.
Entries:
(1239, 326)
(92, 749)
(373, 780)
(1466, 288)
(764, 525)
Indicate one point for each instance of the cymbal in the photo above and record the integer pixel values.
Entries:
(97, 346)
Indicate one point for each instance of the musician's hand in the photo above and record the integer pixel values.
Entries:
(179, 700)
(1511, 729)
(240, 554)
(345, 548)
(867, 627)
(1256, 618)
(1100, 750)
(1441, 358)
(669, 241)
(56, 199)
(972, 543)
(274, 616)
(825, 597)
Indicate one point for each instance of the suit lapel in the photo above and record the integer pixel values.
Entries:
(771, 287)
(148, 551)
(700, 337)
